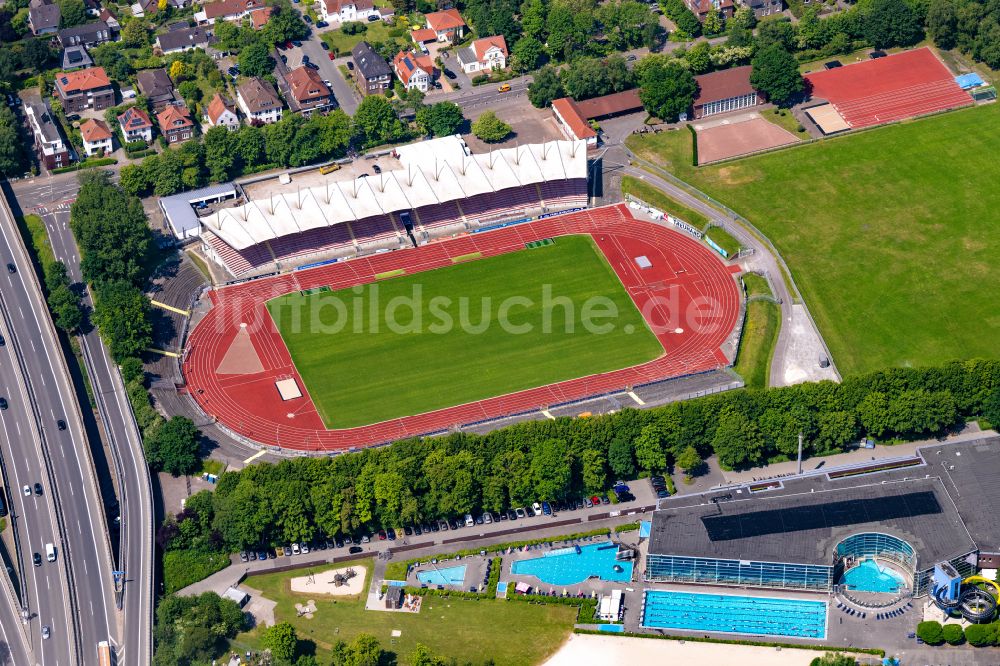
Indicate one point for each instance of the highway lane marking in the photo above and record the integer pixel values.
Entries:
(254, 457)
(158, 304)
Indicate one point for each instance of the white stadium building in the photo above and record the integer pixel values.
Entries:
(416, 193)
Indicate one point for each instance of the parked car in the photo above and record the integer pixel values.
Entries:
(587, 502)
(305, 17)
(537, 508)
(510, 515)
(365, 538)
(497, 516)
(487, 519)
(243, 556)
(3, 341)
(595, 500)
(287, 550)
(381, 535)
(469, 520)
(233, 72)
(355, 549)
(662, 493)
(373, 18)
(262, 555)
(331, 56)
(3, 505)
(376, 168)
(322, 24)
(324, 45)
(311, 65)
(305, 59)
(450, 74)
(546, 508)
(408, 531)
(350, 65)
(284, 59)
(296, 43)
(295, 549)
(305, 548)
(630, 57)
(521, 513)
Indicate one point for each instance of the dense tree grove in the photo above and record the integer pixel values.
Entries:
(194, 630)
(415, 481)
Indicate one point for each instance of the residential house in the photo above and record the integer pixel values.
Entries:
(44, 19)
(88, 34)
(143, 7)
(175, 123)
(374, 75)
(75, 57)
(762, 8)
(110, 19)
(52, 150)
(484, 55)
(260, 17)
(345, 11)
(227, 10)
(306, 92)
(258, 101)
(97, 137)
(155, 85)
(724, 91)
(177, 41)
(416, 72)
(84, 89)
(702, 8)
(448, 25)
(136, 125)
(422, 37)
(220, 112)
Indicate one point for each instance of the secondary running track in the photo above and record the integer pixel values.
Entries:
(688, 296)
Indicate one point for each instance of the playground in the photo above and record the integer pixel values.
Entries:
(343, 582)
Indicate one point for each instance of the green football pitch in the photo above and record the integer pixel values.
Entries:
(436, 340)
(892, 234)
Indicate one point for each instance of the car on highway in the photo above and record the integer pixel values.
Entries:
(11, 268)
(61, 424)
(26, 490)
(36, 559)
(504, 88)
(3, 402)
(3, 341)
(3, 505)
(45, 632)
(38, 489)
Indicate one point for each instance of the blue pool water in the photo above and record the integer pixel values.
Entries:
(724, 613)
(612, 628)
(502, 589)
(443, 576)
(566, 567)
(870, 577)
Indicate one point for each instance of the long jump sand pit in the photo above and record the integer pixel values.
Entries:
(324, 582)
(591, 649)
(721, 142)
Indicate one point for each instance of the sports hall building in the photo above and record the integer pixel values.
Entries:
(390, 201)
(807, 533)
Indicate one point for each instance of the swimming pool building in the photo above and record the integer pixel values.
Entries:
(803, 535)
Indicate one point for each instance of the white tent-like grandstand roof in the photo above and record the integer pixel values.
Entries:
(435, 171)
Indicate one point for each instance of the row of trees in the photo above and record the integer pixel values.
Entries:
(971, 26)
(415, 481)
(195, 630)
(977, 635)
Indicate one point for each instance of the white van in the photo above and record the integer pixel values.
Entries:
(50, 552)
(469, 522)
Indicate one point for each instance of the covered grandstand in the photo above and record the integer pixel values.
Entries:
(427, 189)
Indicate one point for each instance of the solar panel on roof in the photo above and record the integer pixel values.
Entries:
(64, 80)
(817, 516)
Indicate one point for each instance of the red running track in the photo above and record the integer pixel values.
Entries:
(688, 297)
(902, 85)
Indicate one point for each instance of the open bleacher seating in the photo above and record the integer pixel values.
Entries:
(372, 229)
(496, 205)
(313, 241)
(439, 215)
(239, 262)
(564, 193)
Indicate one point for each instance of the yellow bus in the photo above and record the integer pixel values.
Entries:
(329, 168)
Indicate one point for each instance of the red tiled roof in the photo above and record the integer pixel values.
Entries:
(222, 8)
(94, 130)
(259, 17)
(620, 102)
(449, 19)
(216, 108)
(568, 111)
(81, 80)
(406, 64)
(305, 84)
(723, 84)
(421, 35)
(171, 115)
(480, 46)
(334, 6)
(134, 119)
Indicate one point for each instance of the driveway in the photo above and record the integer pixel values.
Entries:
(342, 90)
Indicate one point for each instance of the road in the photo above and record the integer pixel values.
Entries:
(134, 489)
(69, 513)
(347, 97)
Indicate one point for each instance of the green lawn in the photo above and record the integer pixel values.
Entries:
(451, 352)
(508, 632)
(889, 233)
(341, 43)
(760, 331)
(724, 239)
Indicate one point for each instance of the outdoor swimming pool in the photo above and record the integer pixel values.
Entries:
(870, 577)
(730, 614)
(569, 566)
(443, 576)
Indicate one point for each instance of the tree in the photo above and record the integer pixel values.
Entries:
(620, 457)
(648, 448)
(134, 34)
(980, 635)
(625, 22)
(550, 472)
(284, 24)
(545, 87)
(743, 19)
(364, 651)
(930, 632)
(527, 54)
(37, 54)
(281, 639)
(174, 447)
(942, 23)
(489, 128)
(737, 440)
(699, 57)
(532, 20)
(891, 23)
(952, 634)
(132, 370)
(11, 153)
(375, 122)
(134, 179)
(712, 24)
(441, 119)
(194, 629)
(62, 300)
(776, 74)
(219, 153)
(122, 315)
(689, 460)
(776, 30)
(667, 90)
(255, 60)
(834, 659)
(422, 656)
(594, 473)
(991, 408)
(250, 145)
(71, 12)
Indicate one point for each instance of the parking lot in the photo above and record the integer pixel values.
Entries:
(529, 125)
(346, 95)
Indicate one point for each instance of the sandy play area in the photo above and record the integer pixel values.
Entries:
(588, 649)
(324, 582)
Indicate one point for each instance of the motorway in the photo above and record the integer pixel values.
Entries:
(75, 595)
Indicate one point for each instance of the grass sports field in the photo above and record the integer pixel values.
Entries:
(509, 633)
(891, 233)
(357, 378)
